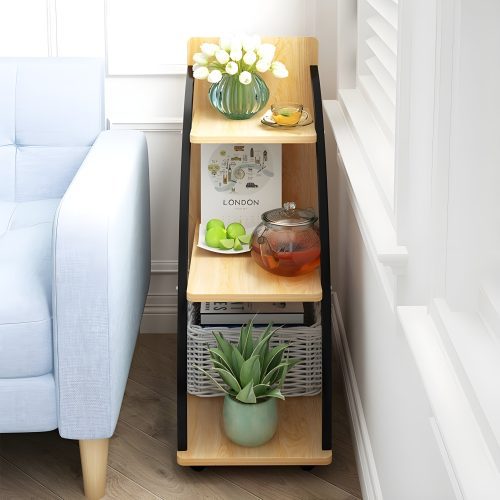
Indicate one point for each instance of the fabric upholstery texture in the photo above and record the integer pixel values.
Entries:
(51, 111)
(28, 404)
(101, 263)
(74, 249)
(26, 288)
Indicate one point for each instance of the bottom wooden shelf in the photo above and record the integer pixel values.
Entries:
(296, 442)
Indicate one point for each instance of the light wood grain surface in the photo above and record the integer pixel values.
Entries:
(296, 442)
(142, 459)
(94, 460)
(216, 277)
(299, 175)
(194, 194)
(209, 126)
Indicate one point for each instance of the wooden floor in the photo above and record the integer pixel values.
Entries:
(142, 463)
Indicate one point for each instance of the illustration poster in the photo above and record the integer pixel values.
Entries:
(239, 182)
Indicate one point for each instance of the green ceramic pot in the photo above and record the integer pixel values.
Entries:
(250, 424)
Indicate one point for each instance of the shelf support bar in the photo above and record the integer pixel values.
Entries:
(324, 229)
(183, 265)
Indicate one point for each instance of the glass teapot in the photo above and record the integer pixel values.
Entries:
(287, 242)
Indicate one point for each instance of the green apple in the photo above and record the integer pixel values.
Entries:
(215, 223)
(214, 235)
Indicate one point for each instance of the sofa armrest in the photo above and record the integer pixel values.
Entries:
(101, 277)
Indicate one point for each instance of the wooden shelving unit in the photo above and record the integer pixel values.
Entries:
(297, 441)
(208, 128)
(304, 434)
(218, 278)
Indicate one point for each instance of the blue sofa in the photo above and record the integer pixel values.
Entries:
(74, 255)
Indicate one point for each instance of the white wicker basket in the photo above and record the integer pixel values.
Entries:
(305, 343)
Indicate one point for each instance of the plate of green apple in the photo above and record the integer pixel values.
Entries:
(216, 237)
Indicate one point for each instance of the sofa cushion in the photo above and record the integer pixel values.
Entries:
(26, 288)
(28, 404)
(46, 127)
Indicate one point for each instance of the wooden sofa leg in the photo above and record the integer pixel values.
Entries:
(94, 458)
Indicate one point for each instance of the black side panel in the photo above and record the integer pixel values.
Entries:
(326, 305)
(183, 266)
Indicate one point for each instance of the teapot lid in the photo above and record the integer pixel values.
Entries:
(290, 215)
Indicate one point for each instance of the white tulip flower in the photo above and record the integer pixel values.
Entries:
(245, 77)
(201, 73)
(262, 65)
(222, 57)
(236, 55)
(209, 49)
(266, 51)
(279, 69)
(231, 68)
(214, 76)
(225, 42)
(254, 55)
(249, 58)
(200, 58)
(235, 43)
(250, 42)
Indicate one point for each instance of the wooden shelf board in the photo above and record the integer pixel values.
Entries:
(296, 442)
(210, 127)
(216, 277)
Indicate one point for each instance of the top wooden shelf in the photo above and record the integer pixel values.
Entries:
(209, 126)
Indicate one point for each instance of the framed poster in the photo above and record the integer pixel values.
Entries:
(239, 182)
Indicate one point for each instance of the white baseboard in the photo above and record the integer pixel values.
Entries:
(367, 471)
(160, 314)
(160, 311)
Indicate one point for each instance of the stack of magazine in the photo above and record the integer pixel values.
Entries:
(238, 313)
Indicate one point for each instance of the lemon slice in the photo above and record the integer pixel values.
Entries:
(235, 230)
(245, 239)
(226, 243)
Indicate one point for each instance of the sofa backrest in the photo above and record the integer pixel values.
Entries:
(51, 111)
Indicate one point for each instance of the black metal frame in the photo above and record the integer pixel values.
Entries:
(324, 233)
(326, 309)
(183, 265)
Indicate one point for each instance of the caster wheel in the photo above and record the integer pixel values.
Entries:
(307, 467)
(198, 468)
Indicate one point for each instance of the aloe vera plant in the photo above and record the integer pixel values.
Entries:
(251, 370)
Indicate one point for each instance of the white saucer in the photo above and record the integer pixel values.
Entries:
(305, 119)
(202, 244)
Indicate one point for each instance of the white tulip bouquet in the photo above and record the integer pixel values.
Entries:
(236, 56)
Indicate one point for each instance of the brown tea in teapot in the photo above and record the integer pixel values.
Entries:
(287, 242)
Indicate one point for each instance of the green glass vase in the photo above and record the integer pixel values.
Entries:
(250, 424)
(237, 101)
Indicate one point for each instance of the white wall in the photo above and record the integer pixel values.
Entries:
(400, 444)
(474, 202)
(326, 33)
(144, 42)
(419, 340)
